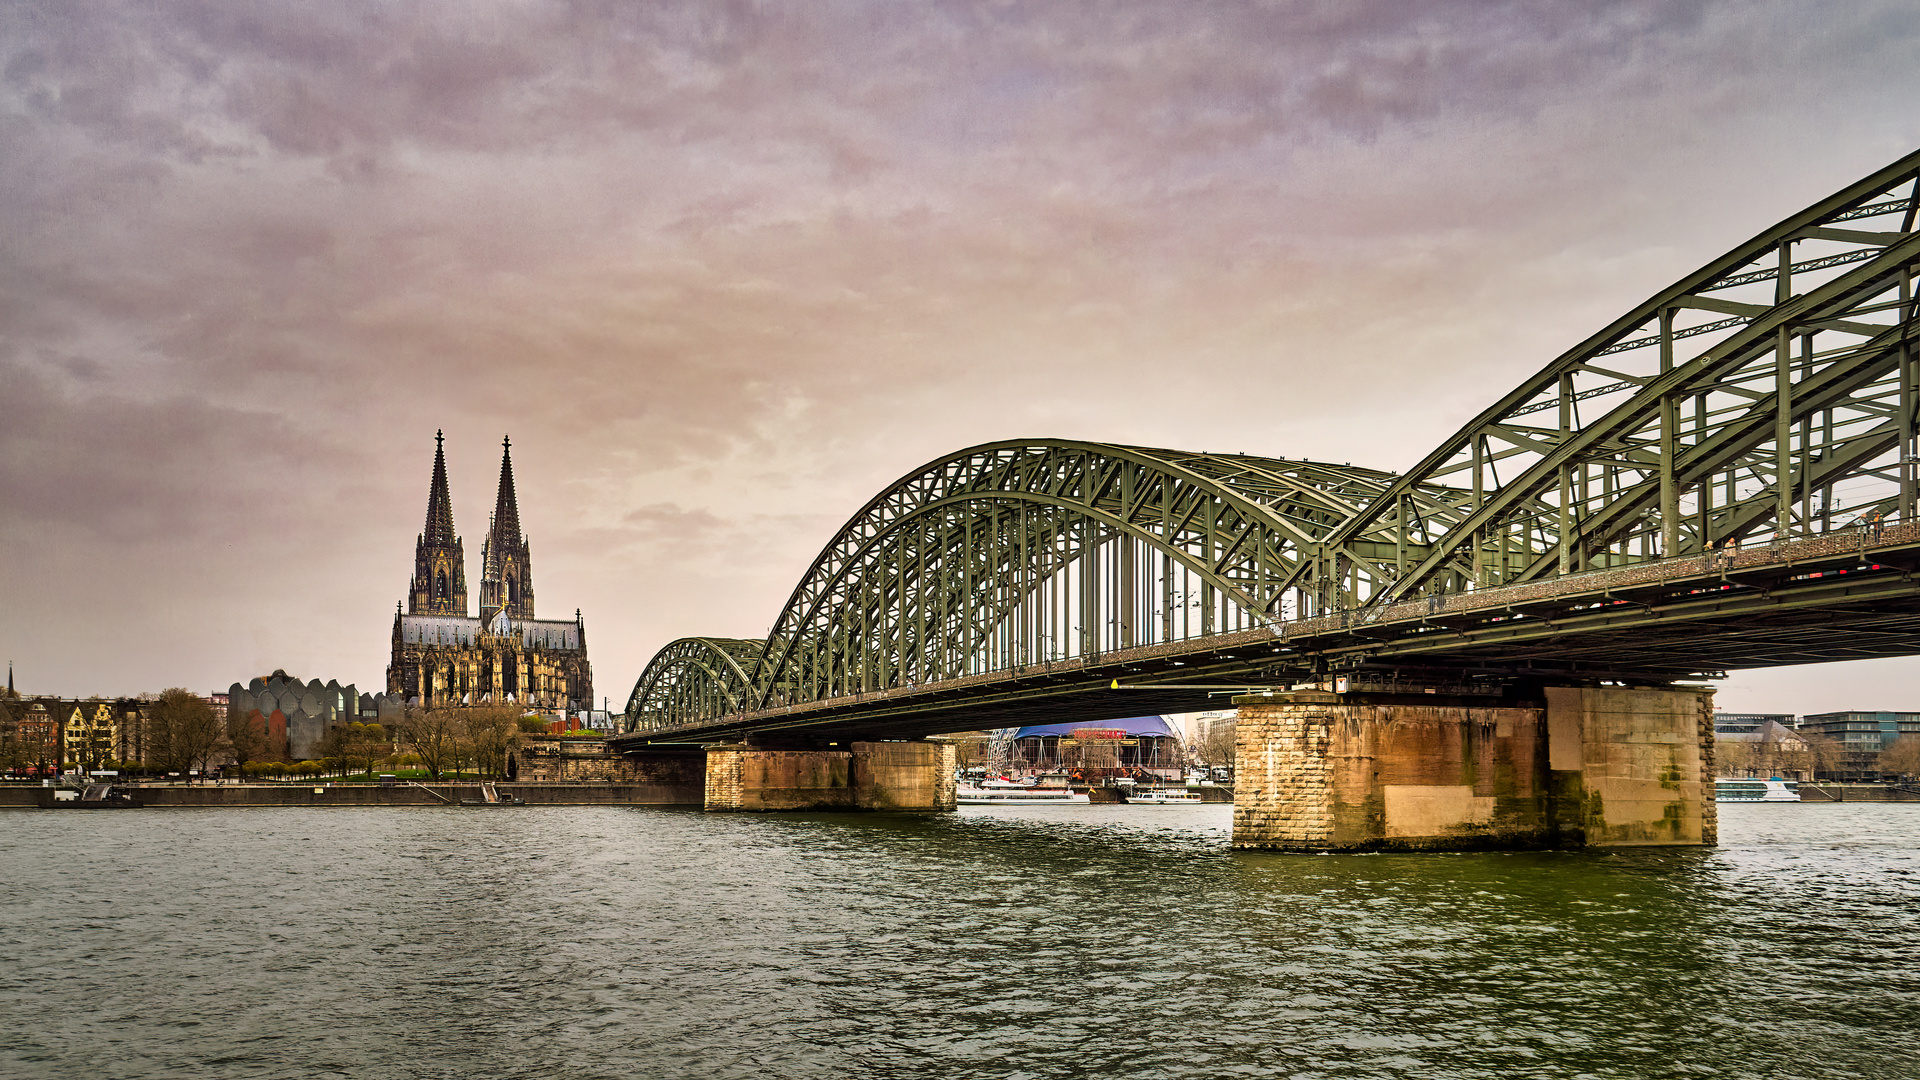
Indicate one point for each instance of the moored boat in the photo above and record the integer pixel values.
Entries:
(1000, 792)
(1162, 797)
(1772, 789)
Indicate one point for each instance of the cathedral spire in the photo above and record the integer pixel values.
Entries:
(439, 503)
(439, 564)
(506, 573)
(506, 507)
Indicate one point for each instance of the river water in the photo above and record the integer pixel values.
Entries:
(1004, 942)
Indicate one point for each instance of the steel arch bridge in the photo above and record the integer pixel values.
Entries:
(1693, 462)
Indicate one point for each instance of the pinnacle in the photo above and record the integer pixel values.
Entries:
(506, 510)
(439, 531)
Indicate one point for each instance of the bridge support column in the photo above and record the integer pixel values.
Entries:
(1632, 767)
(746, 778)
(909, 776)
(1316, 771)
(903, 775)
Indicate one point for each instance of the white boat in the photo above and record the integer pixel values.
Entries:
(1163, 797)
(1000, 792)
(1772, 789)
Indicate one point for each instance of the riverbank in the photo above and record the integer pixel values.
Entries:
(1879, 793)
(321, 794)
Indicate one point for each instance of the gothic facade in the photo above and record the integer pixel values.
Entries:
(443, 656)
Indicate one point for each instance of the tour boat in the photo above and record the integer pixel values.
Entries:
(1772, 789)
(1162, 797)
(1001, 792)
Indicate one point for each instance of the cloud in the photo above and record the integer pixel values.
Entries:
(724, 270)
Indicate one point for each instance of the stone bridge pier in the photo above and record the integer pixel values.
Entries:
(900, 776)
(1578, 767)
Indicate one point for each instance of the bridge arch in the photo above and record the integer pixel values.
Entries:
(1024, 552)
(694, 679)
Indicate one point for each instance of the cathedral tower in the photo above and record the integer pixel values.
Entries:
(439, 564)
(506, 570)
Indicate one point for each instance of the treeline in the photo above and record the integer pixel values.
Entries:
(437, 741)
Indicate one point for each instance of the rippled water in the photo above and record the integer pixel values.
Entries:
(996, 942)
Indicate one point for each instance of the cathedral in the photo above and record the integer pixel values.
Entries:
(443, 656)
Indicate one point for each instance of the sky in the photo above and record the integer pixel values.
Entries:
(724, 271)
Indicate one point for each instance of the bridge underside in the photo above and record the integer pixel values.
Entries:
(1841, 596)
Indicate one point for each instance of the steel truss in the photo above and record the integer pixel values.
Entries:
(1769, 396)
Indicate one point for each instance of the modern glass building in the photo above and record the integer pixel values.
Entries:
(1732, 723)
(1862, 736)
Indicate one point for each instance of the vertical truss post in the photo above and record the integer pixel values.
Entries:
(1566, 473)
(1705, 488)
(1127, 598)
(1783, 432)
(1669, 422)
(1400, 517)
(1906, 392)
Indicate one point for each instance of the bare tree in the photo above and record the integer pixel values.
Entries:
(1217, 747)
(1903, 757)
(1824, 754)
(185, 731)
(435, 735)
(493, 732)
(1733, 757)
(247, 736)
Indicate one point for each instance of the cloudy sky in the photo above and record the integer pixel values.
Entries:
(724, 270)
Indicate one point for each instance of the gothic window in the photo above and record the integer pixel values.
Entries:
(442, 594)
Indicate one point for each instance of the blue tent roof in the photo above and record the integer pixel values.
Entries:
(1132, 725)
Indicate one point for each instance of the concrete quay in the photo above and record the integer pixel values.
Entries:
(212, 796)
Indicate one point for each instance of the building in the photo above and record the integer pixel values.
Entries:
(1862, 736)
(1134, 744)
(295, 716)
(443, 656)
(1728, 723)
(42, 735)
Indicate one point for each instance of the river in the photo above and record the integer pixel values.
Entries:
(1001, 942)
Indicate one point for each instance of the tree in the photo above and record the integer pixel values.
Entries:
(1733, 757)
(1824, 754)
(1903, 757)
(354, 747)
(493, 732)
(184, 731)
(1217, 747)
(247, 735)
(435, 735)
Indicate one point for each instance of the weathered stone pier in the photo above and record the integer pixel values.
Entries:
(1574, 767)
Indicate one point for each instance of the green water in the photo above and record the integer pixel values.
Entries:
(997, 942)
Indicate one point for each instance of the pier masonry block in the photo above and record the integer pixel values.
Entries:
(1604, 766)
(1633, 766)
(903, 775)
(906, 776)
(744, 778)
